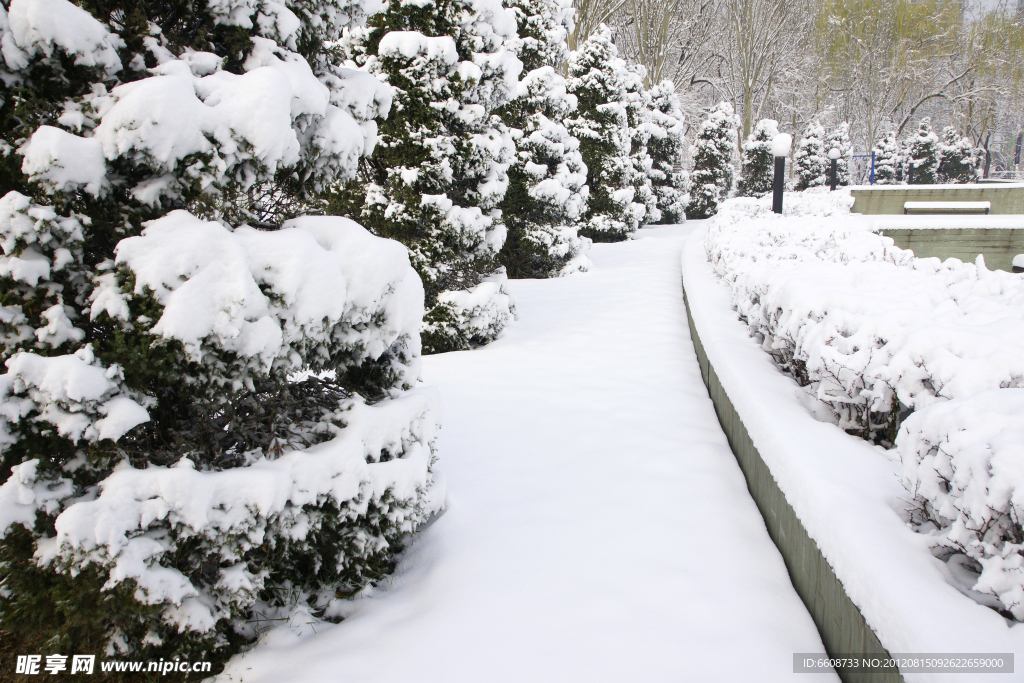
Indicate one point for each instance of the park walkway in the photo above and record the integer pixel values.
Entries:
(598, 527)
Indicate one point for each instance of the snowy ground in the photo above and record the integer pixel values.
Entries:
(598, 527)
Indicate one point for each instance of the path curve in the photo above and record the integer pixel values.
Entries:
(598, 526)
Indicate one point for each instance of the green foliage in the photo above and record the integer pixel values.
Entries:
(546, 189)
(713, 172)
(839, 139)
(888, 162)
(923, 155)
(430, 183)
(214, 411)
(961, 161)
(597, 77)
(665, 146)
(758, 169)
(811, 161)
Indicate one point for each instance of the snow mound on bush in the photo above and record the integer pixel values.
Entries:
(964, 462)
(318, 281)
(184, 115)
(45, 26)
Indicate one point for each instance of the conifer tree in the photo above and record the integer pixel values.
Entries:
(961, 161)
(903, 170)
(547, 191)
(887, 159)
(666, 146)
(597, 77)
(638, 113)
(923, 154)
(439, 174)
(713, 172)
(839, 138)
(758, 170)
(167, 366)
(811, 161)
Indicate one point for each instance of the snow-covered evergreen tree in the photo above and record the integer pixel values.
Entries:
(713, 172)
(438, 175)
(961, 161)
(547, 191)
(887, 159)
(839, 138)
(666, 145)
(811, 160)
(597, 77)
(638, 113)
(167, 370)
(923, 154)
(758, 170)
(903, 170)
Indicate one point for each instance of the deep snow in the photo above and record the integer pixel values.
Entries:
(598, 527)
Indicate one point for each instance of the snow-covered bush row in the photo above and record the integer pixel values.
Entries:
(872, 330)
(874, 334)
(923, 158)
(210, 399)
(962, 463)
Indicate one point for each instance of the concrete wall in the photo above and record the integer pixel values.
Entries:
(841, 625)
(998, 245)
(889, 199)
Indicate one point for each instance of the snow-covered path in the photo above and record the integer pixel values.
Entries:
(598, 527)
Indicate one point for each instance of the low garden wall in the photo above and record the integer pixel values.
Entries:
(889, 199)
(841, 625)
(997, 245)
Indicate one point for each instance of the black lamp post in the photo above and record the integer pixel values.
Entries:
(834, 155)
(781, 145)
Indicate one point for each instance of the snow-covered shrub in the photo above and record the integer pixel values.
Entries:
(210, 400)
(547, 191)
(811, 162)
(758, 169)
(597, 77)
(961, 161)
(962, 465)
(888, 160)
(439, 173)
(872, 331)
(666, 146)
(713, 173)
(903, 170)
(638, 114)
(839, 139)
(923, 155)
